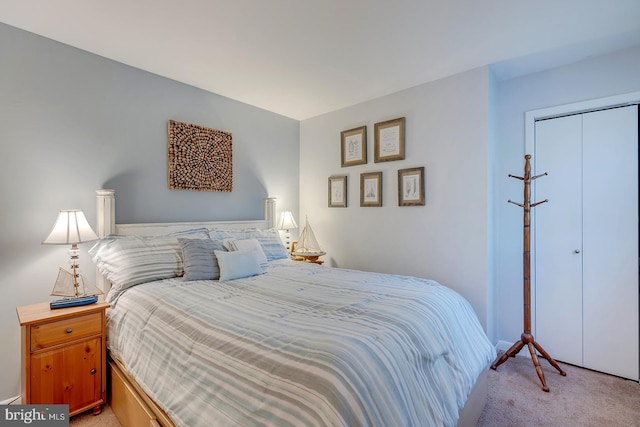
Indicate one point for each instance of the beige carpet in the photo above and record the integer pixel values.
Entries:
(106, 419)
(581, 399)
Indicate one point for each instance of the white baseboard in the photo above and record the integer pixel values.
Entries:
(15, 400)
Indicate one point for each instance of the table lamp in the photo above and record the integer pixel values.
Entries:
(287, 223)
(71, 228)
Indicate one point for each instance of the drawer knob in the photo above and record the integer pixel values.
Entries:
(93, 371)
(69, 330)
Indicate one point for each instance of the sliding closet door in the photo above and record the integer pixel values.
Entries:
(610, 256)
(586, 240)
(558, 238)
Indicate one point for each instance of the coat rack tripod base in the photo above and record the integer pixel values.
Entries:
(526, 337)
(533, 346)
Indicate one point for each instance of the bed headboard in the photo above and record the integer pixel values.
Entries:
(106, 223)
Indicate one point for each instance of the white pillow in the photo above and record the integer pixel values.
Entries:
(237, 264)
(269, 240)
(248, 245)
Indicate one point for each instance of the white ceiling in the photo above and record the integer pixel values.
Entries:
(302, 58)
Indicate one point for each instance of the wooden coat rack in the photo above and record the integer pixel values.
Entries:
(527, 337)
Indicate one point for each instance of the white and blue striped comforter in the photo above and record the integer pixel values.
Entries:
(301, 345)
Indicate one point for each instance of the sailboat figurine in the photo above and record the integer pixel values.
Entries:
(307, 248)
(75, 288)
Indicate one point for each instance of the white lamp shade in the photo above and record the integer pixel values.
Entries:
(286, 221)
(70, 228)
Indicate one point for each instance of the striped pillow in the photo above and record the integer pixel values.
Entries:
(269, 240)
(248, 245)
(127, 261)
(199, 258)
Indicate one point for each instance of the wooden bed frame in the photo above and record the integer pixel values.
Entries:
(132, 406)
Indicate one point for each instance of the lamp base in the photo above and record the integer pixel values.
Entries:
(73, 302)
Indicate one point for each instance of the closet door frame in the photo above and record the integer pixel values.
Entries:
(531, 117)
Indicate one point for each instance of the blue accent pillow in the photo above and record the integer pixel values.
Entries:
(199, 260)
(237, 264)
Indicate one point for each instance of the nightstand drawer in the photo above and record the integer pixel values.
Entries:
(48, 334)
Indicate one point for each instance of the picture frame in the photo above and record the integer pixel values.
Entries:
(389, 140)
(353, 146)
(371, 189)
(337, 191)
(411, 187)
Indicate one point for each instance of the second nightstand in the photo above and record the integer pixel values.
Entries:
(64, 356)
(313, 260)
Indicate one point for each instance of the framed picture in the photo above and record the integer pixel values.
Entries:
(389, 140)
(200, 158)
(411, 187)
(353, 145)
(371, 189)
(338, 191)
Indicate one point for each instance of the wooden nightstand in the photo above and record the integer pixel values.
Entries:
(64, 356)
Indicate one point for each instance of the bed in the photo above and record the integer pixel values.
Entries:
(273, 342)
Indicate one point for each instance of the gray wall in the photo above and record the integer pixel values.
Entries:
(72, 122)
(447, 132)
(468, 131)
(599, 77)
